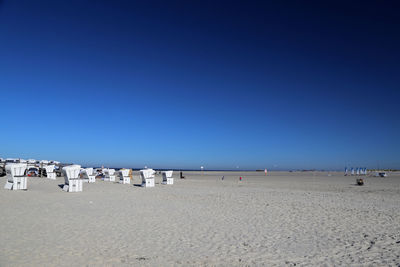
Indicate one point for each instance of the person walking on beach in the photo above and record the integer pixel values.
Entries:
(240, 179)
(222, 178)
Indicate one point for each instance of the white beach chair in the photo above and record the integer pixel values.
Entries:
(147, 177)
(167, 177)
(88, 176)
(124, 176)
(91, 175)
(16, 180)
(72, 181)
(109, 175)
(50, 172)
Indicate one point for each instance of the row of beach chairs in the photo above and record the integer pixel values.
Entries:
(75, 176)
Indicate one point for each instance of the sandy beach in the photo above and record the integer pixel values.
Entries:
(283, 219)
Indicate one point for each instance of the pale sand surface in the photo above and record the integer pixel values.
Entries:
(282, 219)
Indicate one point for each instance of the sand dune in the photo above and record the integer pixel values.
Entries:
(282, 219)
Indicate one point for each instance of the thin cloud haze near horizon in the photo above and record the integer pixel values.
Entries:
(184, 84)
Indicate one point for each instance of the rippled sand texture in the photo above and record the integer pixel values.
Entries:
(283, 219)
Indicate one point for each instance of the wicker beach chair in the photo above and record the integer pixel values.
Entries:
(167, 177)
(124, 176)
(147, 176)
(16, 179)
(109, 175)
(88, 176)
(50, 172)
(72, 181)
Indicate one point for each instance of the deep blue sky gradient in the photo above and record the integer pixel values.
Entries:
(181, 84)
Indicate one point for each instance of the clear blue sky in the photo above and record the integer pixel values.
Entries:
(190, 83)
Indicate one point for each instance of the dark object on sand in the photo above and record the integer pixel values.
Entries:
(2, 172)
(381, 174)
(58, 172)
(360, 181)
(182, 177)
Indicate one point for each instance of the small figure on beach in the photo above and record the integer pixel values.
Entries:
(240, 178)
(223, 177)
(182, 177)
(360, 181)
